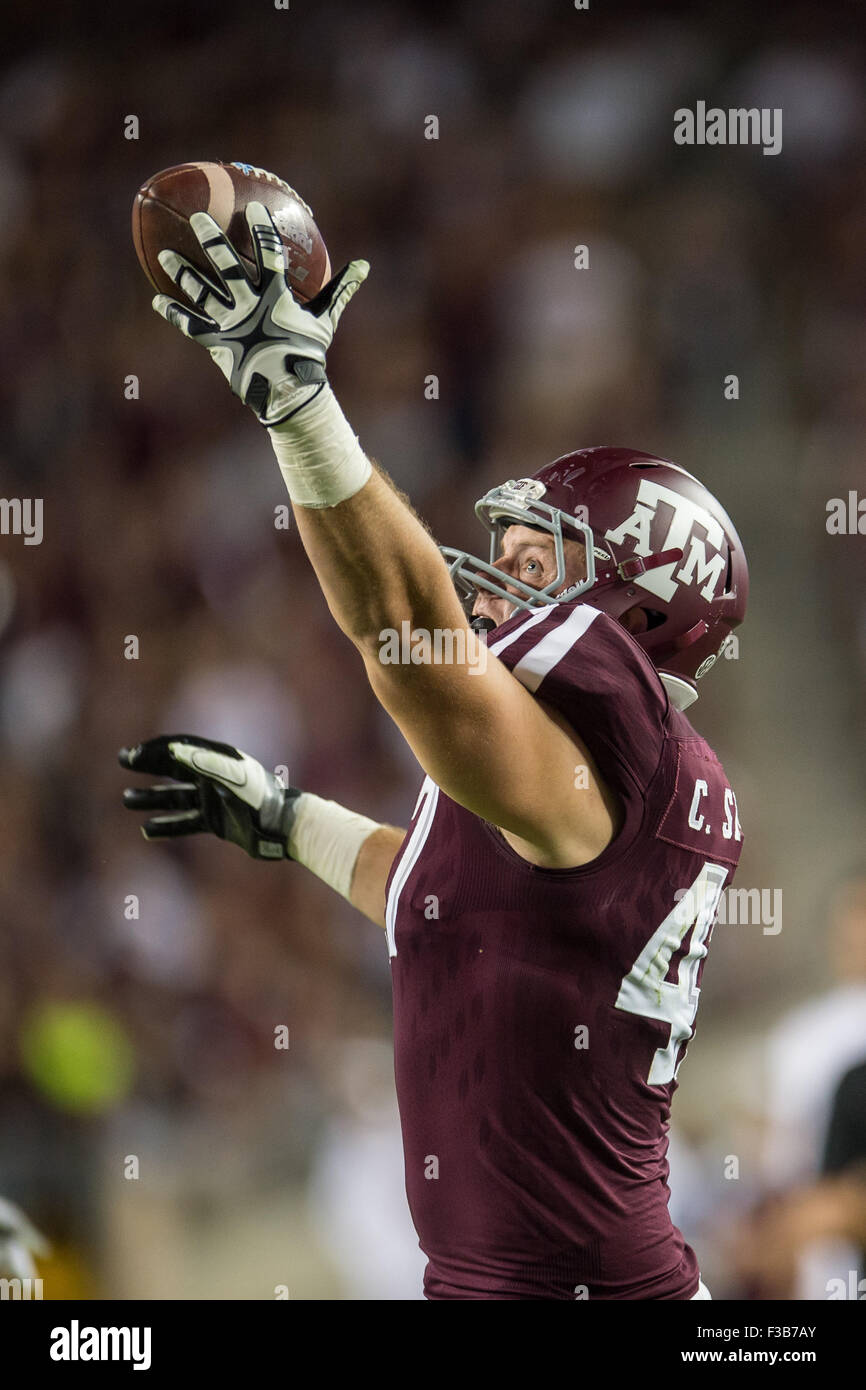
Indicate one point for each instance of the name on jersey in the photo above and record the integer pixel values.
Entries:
(702, 813)
(697, 820)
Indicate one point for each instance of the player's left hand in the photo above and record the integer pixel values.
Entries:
(217, 788)
(270, 348)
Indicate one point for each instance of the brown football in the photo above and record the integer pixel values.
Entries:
(164, 204)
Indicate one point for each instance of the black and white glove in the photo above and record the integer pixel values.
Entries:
(270, 348)
(218, 789)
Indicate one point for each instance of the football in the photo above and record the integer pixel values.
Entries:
(164, 204)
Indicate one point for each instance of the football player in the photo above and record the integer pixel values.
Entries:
(549, 907)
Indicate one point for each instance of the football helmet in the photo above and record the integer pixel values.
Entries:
(655, 538)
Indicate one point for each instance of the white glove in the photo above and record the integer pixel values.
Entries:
(270, 348)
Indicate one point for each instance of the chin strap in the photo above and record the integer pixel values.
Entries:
(637, 565)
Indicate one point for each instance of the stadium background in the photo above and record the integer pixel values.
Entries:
(154, 1036)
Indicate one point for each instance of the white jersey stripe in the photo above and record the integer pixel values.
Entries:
(414, 846)
(532, 668)
(537, 616)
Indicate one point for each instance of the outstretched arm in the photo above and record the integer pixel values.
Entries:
(481, 736)
(474, 728)
(372, 868)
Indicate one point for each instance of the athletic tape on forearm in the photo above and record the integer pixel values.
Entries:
(327, 838)
(320, 458)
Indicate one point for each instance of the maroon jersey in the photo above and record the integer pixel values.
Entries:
(540, 1015)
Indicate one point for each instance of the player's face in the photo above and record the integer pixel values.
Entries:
(529, 555)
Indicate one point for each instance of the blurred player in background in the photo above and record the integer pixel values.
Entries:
(810, 1231)
(20, 1244)
(549, 907)
(810, 1242)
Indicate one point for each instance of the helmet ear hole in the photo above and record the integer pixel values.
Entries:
(638, 620)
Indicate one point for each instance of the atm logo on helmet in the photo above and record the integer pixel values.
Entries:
(694, 566)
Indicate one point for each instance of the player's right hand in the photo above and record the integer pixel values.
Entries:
(270, 348)
(217, 788)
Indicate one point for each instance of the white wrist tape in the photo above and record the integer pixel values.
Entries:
(327, 839)
(320, 458)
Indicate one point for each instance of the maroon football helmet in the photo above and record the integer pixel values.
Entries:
(655, 538)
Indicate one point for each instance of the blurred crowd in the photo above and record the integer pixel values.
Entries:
(141, 985)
